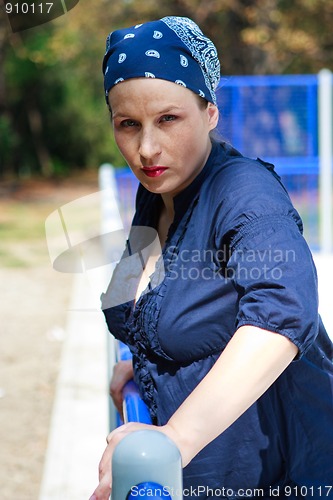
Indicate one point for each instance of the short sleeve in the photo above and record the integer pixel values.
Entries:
(273, 272)
(268, 259)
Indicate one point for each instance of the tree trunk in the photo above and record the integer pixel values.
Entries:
(36, 127)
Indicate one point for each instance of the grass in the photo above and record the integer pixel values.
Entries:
(22, 235)
(24, 207)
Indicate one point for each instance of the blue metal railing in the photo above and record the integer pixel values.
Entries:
(134, 409)
(146, 463)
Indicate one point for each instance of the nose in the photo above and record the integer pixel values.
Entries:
(149, 148)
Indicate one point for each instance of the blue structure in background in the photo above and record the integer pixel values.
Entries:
(274, 118)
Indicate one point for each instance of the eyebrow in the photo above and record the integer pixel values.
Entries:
(169, 109)
(164, 111)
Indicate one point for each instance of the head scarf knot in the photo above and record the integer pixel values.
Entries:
(172, 48)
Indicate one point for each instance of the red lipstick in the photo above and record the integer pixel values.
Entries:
(154, 171)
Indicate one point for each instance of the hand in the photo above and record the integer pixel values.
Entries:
(122, 373)
(103, 490)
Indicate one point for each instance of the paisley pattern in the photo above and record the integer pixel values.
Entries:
(172, 48)
(202, 48)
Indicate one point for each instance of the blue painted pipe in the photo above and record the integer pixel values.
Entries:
(151, 490)
(135, 410)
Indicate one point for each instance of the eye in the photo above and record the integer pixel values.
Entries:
(168, 118)
(128, 123)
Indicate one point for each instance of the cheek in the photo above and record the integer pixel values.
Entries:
(185, 138)
(123, 143)
(118, 138)
(192, 140)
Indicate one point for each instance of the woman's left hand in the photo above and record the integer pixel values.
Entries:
(103, 490)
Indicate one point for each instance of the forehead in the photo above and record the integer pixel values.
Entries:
(149, 91)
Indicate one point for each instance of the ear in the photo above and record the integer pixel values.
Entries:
(213, 115)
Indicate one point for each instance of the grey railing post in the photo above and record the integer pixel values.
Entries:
(146, 464)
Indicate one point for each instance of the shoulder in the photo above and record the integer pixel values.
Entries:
(244, 197)
(232, 173)
(241, 188)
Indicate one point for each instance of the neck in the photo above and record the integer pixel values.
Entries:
(169, 209)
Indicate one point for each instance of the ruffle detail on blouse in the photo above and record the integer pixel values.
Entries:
(143, 325)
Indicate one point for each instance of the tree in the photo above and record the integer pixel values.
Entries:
(53, 114)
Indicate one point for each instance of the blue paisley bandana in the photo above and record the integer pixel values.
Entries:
(172, 48)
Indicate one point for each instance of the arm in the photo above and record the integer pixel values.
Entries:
(253, 359)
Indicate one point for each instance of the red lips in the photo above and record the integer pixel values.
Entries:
(154, 171)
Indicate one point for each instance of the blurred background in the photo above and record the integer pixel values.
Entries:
(53, 117)
(55, 133)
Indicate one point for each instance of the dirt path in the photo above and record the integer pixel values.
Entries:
(33, 303)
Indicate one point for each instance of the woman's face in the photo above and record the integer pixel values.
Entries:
(162, 131)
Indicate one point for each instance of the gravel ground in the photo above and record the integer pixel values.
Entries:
(33, 303)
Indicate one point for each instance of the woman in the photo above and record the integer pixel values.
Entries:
(228, 349)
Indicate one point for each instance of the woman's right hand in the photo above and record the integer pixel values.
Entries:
(122, 373)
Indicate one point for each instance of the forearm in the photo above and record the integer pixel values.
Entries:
(251, 362)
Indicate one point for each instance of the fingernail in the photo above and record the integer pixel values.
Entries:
(94, 497)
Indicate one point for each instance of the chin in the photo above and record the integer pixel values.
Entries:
(152, 188)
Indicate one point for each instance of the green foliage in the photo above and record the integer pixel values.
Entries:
(53, 116)
(55, 120)
(8, 140)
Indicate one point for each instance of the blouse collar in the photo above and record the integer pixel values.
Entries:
(149, 204)
(183, 199)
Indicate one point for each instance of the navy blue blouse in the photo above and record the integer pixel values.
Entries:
(234, 256)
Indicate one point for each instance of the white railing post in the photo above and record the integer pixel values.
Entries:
(109, 215)
(325, 122)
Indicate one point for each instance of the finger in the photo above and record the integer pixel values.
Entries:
(117, 399)
(119, 379)
(122, 373)
(114, 437)
(103, 490)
